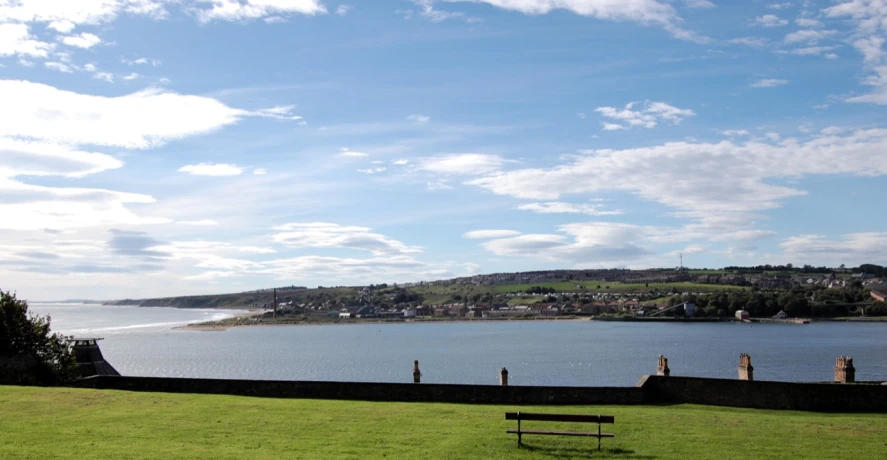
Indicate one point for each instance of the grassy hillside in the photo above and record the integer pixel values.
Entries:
(83, 424)
(432, 294)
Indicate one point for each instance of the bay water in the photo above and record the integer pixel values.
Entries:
(141, 341)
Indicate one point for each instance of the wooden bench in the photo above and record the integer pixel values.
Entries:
(599, 419)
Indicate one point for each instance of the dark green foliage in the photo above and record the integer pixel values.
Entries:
(540, 290)
(877, 309)
(26, 334)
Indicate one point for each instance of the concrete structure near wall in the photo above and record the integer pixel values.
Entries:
(844, 370)
(90, 359)
(662, 369)
(746, 370)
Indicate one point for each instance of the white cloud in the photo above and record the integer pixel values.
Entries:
(280, 112)
(770, 20)
(372, 170)
(871, 23)
(812, 50)
(371, 269)
(58, 66)
(260, 171)
(647, 116)
(199, 223)
(582, 243)
(438, 185)
(139, 120)
(63, 26)
(400, 162)
(142, 61)
(16, 40)
(720, 185)
(463, 163)
(851, 249)
(61, 14)
(241, 10)
(343, 9)
(105, 76)
(212, 169)
(808, 35)
(85, 40)
(755, 42)
(735, 132)
(808, 22)
(415, 118)
(699, 3)
(131, 76)
(327, 235)
(769, 83)
(489, 234)
(33, 207)
(559, 207)
(779, 6)
(646, 12)
(350, 153)
(24, 158)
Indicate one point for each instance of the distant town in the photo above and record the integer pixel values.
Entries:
(680, 294)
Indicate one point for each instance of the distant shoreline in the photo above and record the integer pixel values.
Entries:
(244, 321)
(214, 326)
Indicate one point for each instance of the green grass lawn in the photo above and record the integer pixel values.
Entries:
(40, 423)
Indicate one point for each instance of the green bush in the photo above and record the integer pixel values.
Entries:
(24, 334)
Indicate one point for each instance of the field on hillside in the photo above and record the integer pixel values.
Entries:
(82, 424)
(437, 294)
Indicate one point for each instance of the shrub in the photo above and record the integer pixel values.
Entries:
(24, 335)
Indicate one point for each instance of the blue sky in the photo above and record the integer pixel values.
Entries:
(153, 147)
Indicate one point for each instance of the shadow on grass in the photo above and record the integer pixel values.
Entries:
(574, 452)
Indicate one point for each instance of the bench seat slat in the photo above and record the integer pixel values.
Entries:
(560, 417)
(562, 433)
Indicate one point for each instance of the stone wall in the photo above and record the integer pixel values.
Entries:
(21, 370)
(402, 392)
(820, 397)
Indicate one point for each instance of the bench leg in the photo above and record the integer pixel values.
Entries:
(519, 440)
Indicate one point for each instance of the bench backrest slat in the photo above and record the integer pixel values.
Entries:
(561, 417)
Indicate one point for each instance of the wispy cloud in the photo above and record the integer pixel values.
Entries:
(212, 169)
(768, 83)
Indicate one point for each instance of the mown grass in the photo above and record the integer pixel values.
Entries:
(41, 423)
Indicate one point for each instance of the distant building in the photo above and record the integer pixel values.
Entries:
(409, 312)
(741, 315)
(780, 315)
(879, 296)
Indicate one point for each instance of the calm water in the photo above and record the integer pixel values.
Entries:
(140, 341)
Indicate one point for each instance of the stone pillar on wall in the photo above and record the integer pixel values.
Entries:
(417, 376)
(746, 370)
(503, 377)
(662, 369)
(844, 370)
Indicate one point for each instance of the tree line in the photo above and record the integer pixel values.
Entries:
(797, 302)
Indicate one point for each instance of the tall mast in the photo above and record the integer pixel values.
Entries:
(275, 302)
